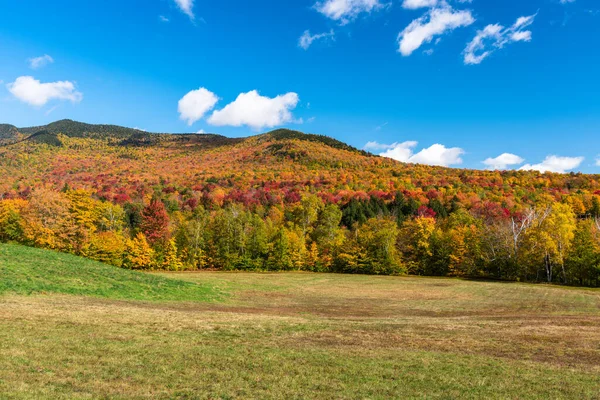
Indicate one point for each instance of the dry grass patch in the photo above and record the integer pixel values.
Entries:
(286, 336)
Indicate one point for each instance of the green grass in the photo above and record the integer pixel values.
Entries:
(287, 335)
(29, 271)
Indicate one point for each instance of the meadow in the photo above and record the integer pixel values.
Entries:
(72, 328)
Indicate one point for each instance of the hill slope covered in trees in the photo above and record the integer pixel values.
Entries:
(288, 200)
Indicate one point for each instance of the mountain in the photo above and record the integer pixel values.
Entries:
(285, 200)
(122, 162)
(48, 134)
(79, 129)
(9, 134)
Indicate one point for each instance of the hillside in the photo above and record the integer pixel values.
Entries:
(27, 271)
(79, 129)
(114, 161)
(285, 200)
(9, 134)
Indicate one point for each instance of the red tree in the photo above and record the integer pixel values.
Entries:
(155, 222)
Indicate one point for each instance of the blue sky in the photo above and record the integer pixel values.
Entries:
(449, 82)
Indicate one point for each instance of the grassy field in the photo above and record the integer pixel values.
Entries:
(34, 271)
(74, 329)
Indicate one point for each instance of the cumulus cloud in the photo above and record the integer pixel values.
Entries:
(306, 40)
(435, 22)
(496, 36)
(194, 105)
(31, 91)
(503, 161)
(186, 6)
(555, 164)
(415, 4)
(437, 154)
(598, 161)
(256, 111)
(344, 11)
(40, 62)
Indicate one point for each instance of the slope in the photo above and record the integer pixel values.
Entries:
(27, 271)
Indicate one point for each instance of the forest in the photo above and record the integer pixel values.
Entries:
(286, 201)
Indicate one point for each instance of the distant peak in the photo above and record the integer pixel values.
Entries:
(283, 134)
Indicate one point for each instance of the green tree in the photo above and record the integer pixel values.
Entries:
(378, 239)
(583, 259)
(327, 233)
(307, 212)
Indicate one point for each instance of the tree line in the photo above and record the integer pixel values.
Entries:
(551, 241)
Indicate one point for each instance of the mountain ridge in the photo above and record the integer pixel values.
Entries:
(136, 137)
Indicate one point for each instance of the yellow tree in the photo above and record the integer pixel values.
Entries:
(551, 237)
(47, 222)
(138, 253)
(171, 260)
(562, 223)
(107, 247)
(11, 221)
(84, 209)
(297, 248)
(415, 243)
(463, 236)
(85, 218)
(312, 258)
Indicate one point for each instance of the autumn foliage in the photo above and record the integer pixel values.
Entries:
(286, 202)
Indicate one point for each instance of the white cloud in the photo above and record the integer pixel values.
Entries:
(598, 161)
(437, 154)
(524, 36)
(256, 111)
(31, 91)
(415, 4)
(201, 132)
(344, 11)
(555, 164)
(194, 105)
(186, 6)
(435, 22)
(306, 40)
(566, 1)
(40, 62)
(503, 161)
(496, 36)
(162, 18)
